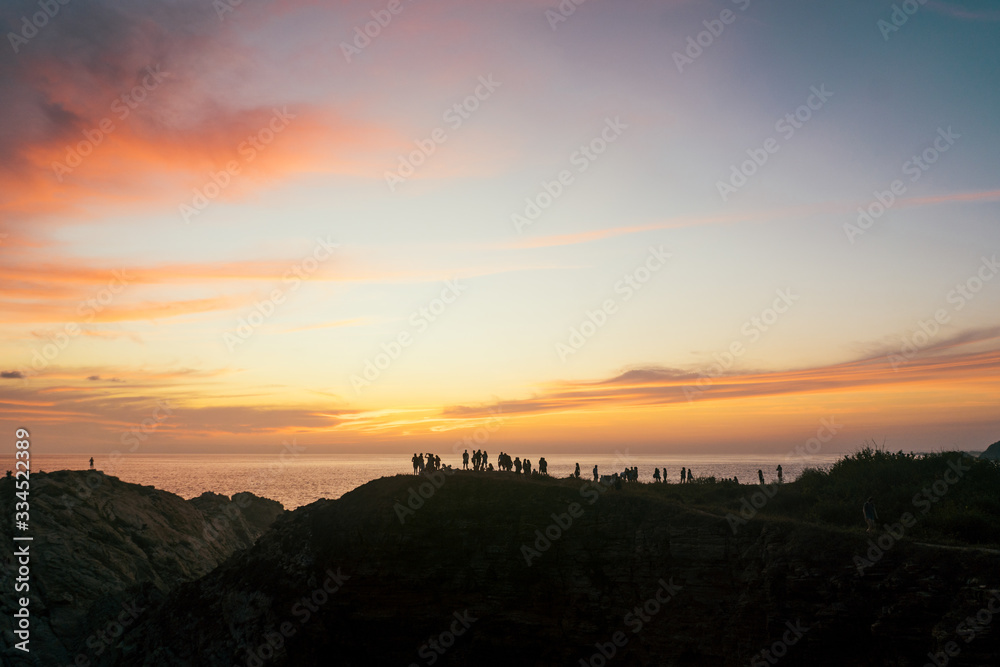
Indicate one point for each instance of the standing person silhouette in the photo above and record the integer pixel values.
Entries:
(577, 473)
(779, 474)
(683, 475)
(871, 516)
(760, 476)
(91, 462)
(595, 472)
(656, 474)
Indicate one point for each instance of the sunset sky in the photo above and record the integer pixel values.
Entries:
(615, 224)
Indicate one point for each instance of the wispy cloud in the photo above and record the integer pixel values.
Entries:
(941, 364)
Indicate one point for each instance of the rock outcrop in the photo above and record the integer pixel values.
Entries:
(992, 452)
(491, 570)
(104, 552)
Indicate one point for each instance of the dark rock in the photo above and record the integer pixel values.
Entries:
(104, 549)
(992, 452)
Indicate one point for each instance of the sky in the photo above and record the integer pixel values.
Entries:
(407, 225)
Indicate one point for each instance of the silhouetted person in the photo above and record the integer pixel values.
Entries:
(543, 466)
(465, 460)
(91, 462)
(486, 458)
(577, 473)
(664, 474)
(683, 475)
(779, 473)
(871, 516)
(517, 465)
(656, 474)
(414, 459)
(736, 479)
(527, 466)
(595, 473)
(760, 476)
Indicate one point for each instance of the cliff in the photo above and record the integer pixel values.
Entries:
(474, 569)
(105, 551)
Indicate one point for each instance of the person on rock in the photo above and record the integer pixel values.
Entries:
(595, 473)
(526, 464)
(91, 462)
(543, 466)
(414, 460)
(779, 474)
(577, 473)
(465, 460)
(656, 474)
(760, 476)
(683, 475)
(517, 465)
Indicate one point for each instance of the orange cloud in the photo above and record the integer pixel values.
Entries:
(936, 366)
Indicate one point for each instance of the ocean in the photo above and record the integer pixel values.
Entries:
(299, 479)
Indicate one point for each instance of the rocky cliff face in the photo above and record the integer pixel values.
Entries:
(490, 570)
(105, 551)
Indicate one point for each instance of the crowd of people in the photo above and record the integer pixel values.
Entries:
(422, 462)
(480, 461)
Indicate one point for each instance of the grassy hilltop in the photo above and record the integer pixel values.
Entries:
(954, 497)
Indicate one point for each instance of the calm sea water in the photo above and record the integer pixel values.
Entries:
(301, 479)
